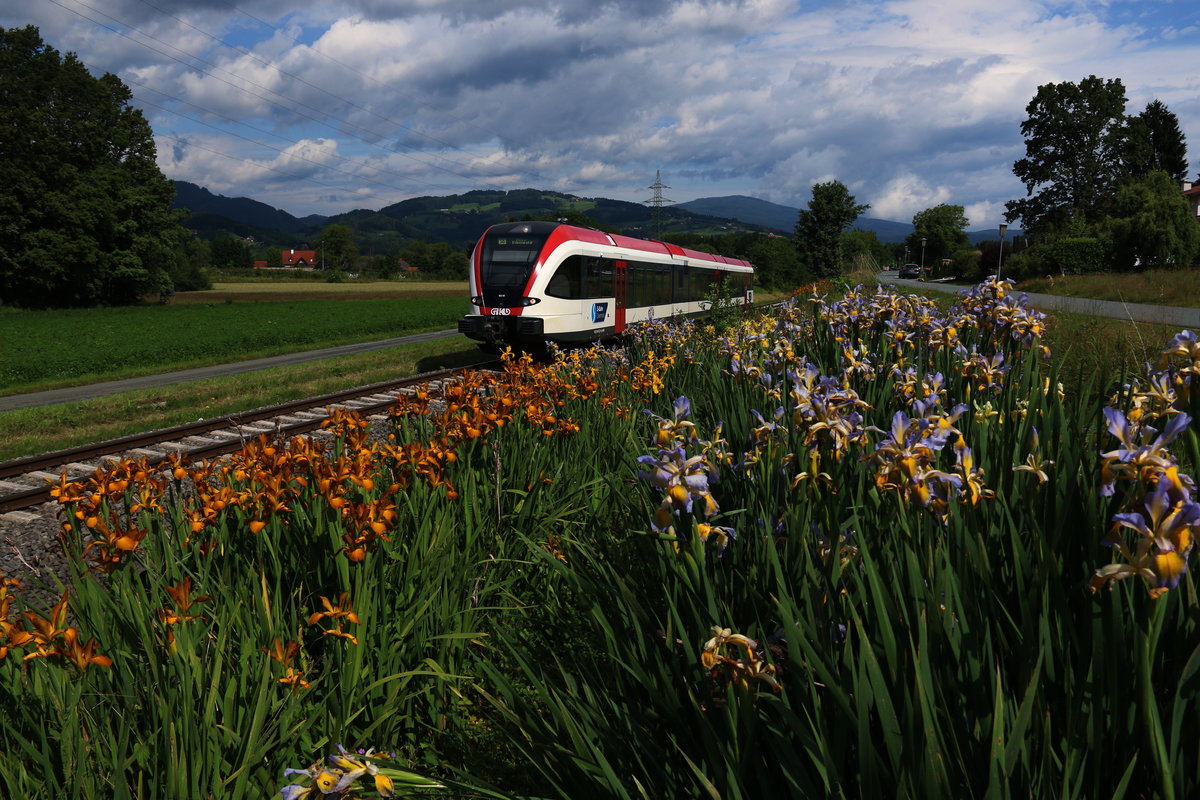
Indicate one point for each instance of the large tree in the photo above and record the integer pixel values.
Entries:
(1152, 225)
(1156, 142)
(819, 227)
(942, 228)
(85, 213)
(776, 264)
(1075, 137)
(338, 249)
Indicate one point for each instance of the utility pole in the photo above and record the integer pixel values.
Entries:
(656, 202)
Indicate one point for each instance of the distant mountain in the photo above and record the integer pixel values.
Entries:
(783, 218)
(456, 219)
(460, 219)
(205, 205)
(745, 209)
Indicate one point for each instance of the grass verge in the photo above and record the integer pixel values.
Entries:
(29, 431)
(1160, 287)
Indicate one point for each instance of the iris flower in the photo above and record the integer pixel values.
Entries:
(1165, 530)
(344, 772)
(1136, 458)
(1034, 463)
(684, 479)
(738, 667)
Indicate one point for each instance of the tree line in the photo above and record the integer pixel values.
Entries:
(338, 255)
(1103, 193)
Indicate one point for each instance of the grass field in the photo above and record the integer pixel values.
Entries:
(285, 291)
(1155, 287)
(49, 349)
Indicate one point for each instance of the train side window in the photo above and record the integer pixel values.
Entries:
(639, 285)
(598, 278)
(662, 284)
(566, 280)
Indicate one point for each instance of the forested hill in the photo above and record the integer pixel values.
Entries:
(240, 210)
(455, 219)
(782, 218)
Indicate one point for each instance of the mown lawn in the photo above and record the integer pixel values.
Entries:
(1180, 287)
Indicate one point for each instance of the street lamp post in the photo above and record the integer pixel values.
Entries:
(922, 259)
(1000, 255)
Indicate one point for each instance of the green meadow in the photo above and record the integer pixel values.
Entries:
(50, 349)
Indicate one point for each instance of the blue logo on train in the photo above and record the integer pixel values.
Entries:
(599, 311)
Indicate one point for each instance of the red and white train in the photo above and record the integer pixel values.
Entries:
(533, 282)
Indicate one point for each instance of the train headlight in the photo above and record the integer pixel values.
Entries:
(530, 301)
(477, 300)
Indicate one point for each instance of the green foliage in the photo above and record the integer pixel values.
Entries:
(337, 248)
(1103, 187)
(1156, 142)
(1069, 255)
(974, 265)
(863, 250)
(1074, 138)
(776, 263)
(939, 232)
(818, 234)
(189, 273)
(438, 261)
(231, 252)
(382, 265)
(1152, 226)
(723, 306)
(86, 209)
(574, 216)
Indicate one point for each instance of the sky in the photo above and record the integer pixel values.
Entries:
(324, 107)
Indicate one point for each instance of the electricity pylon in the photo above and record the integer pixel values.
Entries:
(656, 202)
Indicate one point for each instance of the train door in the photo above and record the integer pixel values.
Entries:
(620, 285)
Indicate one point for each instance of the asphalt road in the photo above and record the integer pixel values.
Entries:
(74, 393)
(1134, 312)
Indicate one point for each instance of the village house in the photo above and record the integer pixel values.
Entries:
(299, 259)
(1192, 193)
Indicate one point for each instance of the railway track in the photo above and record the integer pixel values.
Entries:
(25, 482)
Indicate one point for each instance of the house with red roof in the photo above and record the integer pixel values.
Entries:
(1192, 193)
(299, 259)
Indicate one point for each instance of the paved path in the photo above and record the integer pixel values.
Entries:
(74, 393)
(1135, 312)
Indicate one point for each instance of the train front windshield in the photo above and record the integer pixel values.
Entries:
(506, 264)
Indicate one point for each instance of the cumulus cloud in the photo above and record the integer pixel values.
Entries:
(343, 104)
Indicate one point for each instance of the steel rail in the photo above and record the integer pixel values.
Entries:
(46, 462)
